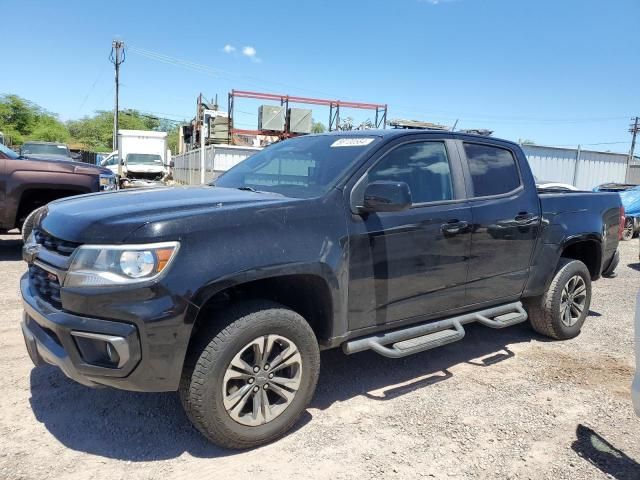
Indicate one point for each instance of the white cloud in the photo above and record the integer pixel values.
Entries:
(229, 48)
(249, 52)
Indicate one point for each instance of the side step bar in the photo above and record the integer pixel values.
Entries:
(426, 336)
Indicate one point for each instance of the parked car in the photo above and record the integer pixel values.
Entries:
(388, 241)
(111, 162)
(630, 195)
(46, 151)
(27, 184)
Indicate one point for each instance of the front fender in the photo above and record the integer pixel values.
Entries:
(318, 269)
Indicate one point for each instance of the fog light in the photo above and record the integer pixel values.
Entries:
(102, 350)
(112, 354)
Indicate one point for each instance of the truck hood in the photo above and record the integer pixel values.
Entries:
(102, 218)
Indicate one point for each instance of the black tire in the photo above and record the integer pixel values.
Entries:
(545, 312)
(629, 229)
(209, 357)
(27, 225)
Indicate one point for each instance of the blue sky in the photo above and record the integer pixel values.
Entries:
(559, 72)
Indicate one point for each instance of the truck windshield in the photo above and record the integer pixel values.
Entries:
(144, 158)
(45, 149)
(303, 167)
(7, 152)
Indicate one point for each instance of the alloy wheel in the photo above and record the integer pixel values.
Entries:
(573, 300)
(627, 233)
(262, 380)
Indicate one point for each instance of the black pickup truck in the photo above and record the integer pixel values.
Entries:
(383, 240)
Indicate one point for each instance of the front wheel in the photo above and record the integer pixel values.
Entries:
(562, 310)
(248, 384)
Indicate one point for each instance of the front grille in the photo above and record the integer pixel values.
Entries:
(45, 284)
(55, 244)
(144, 175)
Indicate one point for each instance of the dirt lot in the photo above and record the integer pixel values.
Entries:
(499, 404)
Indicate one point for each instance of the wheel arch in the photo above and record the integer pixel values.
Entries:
(309, 290)
(587, 249)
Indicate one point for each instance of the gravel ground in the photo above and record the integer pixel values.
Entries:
(499, 404)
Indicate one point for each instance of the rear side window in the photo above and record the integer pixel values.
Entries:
(424, 166)
(493, 170)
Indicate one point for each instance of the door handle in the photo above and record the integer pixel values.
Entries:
(453, 227)
(524, 218)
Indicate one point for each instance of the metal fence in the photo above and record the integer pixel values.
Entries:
(584, 169)
(217, 159)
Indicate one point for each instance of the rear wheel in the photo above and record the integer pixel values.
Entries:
(562, 310)
(248, 383)
(629, 230)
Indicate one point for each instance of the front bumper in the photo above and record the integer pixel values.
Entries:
(51, 336)
(155, 344)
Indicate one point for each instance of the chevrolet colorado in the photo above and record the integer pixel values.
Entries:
(383, 240)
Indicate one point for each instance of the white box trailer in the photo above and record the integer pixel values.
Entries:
(144, 154)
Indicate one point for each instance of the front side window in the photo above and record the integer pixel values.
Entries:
(424, 166)
(493, 169)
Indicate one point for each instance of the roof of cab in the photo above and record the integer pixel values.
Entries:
(399, 132)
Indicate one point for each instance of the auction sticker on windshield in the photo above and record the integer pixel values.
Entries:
(352, 142)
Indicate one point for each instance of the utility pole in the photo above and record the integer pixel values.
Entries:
(634, 128)
(117, 57)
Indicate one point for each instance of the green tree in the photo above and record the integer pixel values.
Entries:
(22, 120)
(172, 140)
(96, 132)
(50, 129)
(318, 127)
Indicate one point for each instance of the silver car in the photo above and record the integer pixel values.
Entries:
(635, 389)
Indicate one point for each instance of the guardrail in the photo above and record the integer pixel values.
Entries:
(187, 167)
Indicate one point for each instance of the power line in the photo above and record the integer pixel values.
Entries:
(401, 109)
(93, 86)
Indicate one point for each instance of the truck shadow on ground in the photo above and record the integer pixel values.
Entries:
(11, 248)
(600, 453)
(152, 426)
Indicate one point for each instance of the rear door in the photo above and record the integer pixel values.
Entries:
(506, 218)
(411, 263)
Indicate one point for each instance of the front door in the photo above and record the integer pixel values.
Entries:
(411, 263)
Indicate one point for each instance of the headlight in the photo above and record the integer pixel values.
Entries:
(107, 265)
(107, 182)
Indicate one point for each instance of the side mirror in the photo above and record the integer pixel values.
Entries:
(122, 162)
(386, 196)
